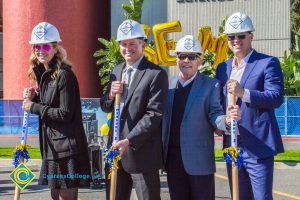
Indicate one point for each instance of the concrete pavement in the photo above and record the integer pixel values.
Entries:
(286, 185)
(286, 177)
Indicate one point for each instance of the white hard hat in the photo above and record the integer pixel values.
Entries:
(238, 23)
(130, 29)
(44, 33)
(188, 43)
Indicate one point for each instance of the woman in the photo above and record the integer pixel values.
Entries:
(63, 144)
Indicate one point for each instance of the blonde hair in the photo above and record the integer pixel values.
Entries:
(59, 57)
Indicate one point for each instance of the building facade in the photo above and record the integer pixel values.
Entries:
(271, 19)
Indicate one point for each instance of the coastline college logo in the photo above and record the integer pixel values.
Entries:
(22, 176)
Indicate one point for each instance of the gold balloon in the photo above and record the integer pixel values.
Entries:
(221, 51)
(151, 54)
(147, 29)
(217, 45)
(104, 129)
(163, 46)
(204, 37)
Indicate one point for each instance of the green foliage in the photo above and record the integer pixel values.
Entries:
(295, 16)
(290, 66)
(207, 64)
(287, 156)
(133, 10)
(222, 26)
(7, 152)
(109, 57)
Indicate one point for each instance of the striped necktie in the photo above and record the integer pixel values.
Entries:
(127, 79)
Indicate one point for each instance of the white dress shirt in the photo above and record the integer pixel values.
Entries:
(134, 67)
(236, 74)
(125, 76)
(183, 82)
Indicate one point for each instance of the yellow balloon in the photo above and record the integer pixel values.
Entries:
(162, 45)
(213, 44)
(221, 50)
(151, 54)
(217, 45)
(108, 116)
(146, 29)
(205, 37)
(104, 129)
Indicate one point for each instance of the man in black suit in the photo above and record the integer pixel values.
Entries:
(144, 98)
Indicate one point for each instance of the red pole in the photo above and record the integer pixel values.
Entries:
(79, 24)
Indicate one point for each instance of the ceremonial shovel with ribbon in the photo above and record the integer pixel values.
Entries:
(22, 175)
(117, 157)
(112, 155)
(233, 154)
(20, 152)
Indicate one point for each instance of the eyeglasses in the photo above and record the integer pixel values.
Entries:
(191, 57)
(45, 47)
(232, 37)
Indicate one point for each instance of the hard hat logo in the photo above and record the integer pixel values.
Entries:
(235, 22)
(126, 27)
(188, 44)
(44, 33)
(130, 29)
(40, 32)
(238, 23)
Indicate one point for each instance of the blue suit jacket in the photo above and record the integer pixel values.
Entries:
(203, 112)
(258, 128)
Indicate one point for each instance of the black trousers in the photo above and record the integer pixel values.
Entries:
(146, 185)
(183, 186)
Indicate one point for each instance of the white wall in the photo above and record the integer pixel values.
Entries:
(271, 19)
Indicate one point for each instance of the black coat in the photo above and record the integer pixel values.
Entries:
(140, 120)
(59, 109)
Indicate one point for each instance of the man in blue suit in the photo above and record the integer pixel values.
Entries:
(191, 116)
(257, 82)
